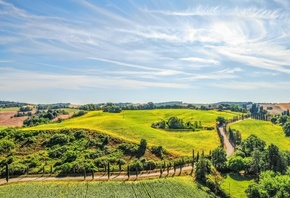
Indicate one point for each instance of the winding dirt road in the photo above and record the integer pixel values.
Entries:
(229, 147)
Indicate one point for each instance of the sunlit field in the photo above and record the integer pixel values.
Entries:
(132, 126)
(267, 131)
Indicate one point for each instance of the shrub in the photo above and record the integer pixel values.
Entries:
(128, 148)
(79, 134)
(60, 139)
(6, 146)
(57, 152)
(158, 151)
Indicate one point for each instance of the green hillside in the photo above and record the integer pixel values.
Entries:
(267, 131)
(134, 125)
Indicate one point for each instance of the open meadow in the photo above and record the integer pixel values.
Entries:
(169, 187)
(265, 130)
(132, 126)
(235, 185)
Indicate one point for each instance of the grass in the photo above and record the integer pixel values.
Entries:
(9, 109)
(235, 185)
(132, 126)
(270, 133)
(170, 187)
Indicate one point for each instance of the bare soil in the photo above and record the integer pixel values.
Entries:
(276, 108)
(6, 120)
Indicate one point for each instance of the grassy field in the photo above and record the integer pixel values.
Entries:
(235, 185)
(170, 187)
(267, 131)
(9, 109)
(132, 126)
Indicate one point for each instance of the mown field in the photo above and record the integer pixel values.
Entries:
(267, 131)
(170, 187)
(134, 125)
(235, 185)
(9, 109)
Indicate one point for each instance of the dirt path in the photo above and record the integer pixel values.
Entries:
(115, 176)
(230, 149)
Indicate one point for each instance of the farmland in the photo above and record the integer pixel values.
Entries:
(169, 187)
(267, 131)
(132, 126)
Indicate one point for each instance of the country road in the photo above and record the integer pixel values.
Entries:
(114, 176)
(229, 147)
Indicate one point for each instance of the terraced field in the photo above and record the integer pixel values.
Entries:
(267, 131)
(170, 187)
(135, 125)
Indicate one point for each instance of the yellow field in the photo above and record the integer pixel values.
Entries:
(134, 125)
(267, 131)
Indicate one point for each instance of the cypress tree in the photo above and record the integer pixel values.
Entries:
(128, 171)
(7, 172)
(174, 167)
(108, 170)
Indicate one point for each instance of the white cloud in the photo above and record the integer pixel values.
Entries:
(253, 85)
(201, 60)
(19, 80)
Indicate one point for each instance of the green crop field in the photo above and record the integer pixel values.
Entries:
(134, 125)
(235, 185)
(170, 187)
(267, 131)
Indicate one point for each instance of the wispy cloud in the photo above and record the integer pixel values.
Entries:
(252, 12)
(29, 80)
(253, 85)
(145, 44)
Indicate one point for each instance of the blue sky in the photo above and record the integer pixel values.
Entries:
(91, 51)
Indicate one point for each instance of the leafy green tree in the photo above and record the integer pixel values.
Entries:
(286, 128)
(236, 164)
(274, 159)
(175, 123)
(221, 120)
(270, 185)
(219, 158)
(251, 143)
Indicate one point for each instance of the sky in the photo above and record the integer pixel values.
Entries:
(94, 51)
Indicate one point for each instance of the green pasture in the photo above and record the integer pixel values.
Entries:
(170, 187)
(267, 131)
(235, 185)
(132, 126)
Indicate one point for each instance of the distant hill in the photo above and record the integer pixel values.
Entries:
(5, 104)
